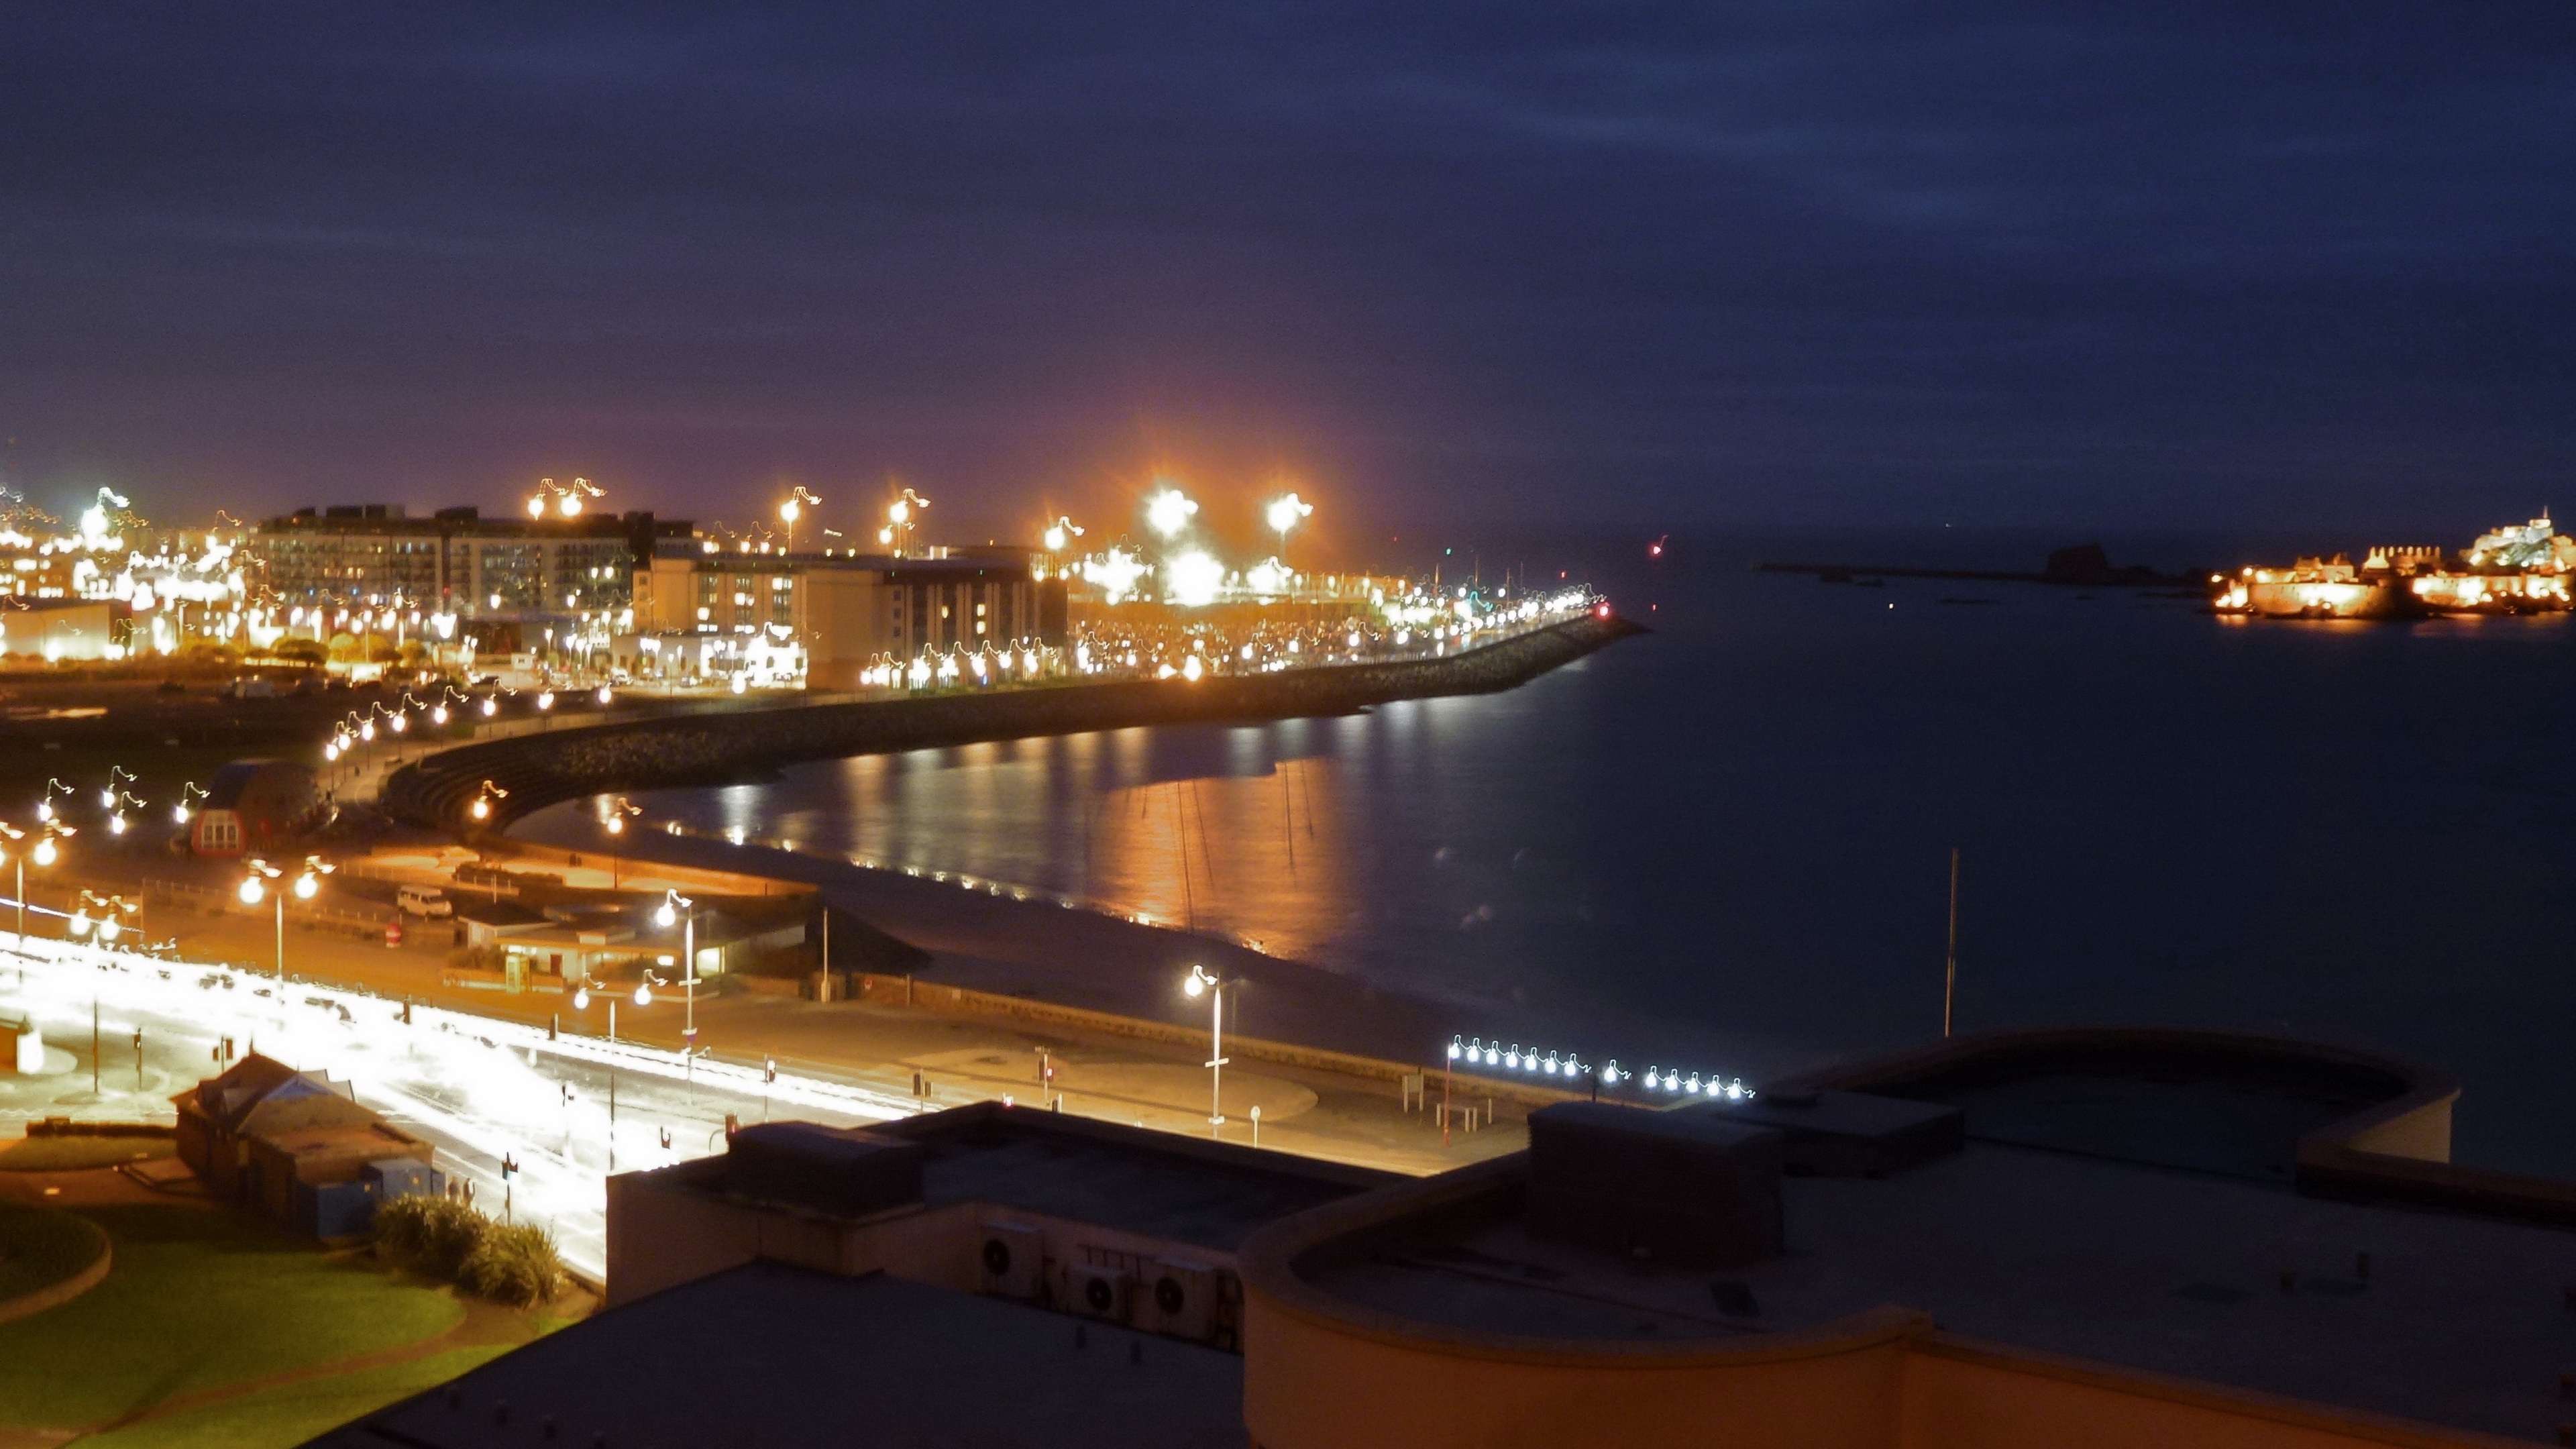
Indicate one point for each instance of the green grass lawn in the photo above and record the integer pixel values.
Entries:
(40, 1247)
(73, 1154)
(199, 1300)
(292, 1413)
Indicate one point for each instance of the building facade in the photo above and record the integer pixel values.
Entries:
(457, 562)
(840, 612)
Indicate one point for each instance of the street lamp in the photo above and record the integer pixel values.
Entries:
(481, 809)
(677, 907)
(1169, 512)
(612, 818)
(1198, 984)
(567, 499)
(1285, 514)
(1061, 534)
(108, 924)
(793, 509)
(255, 887)
(900, 517)
(44, 853)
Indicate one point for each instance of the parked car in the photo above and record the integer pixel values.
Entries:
(428, 902)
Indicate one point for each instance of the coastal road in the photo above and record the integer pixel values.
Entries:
(484, 1091)
(531, 1079)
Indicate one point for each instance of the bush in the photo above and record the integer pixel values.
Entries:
(432, 1235)
(515, 1264)
(443, 1237)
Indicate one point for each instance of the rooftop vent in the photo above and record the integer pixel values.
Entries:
(847, 1173)
(1846, 1134)
(1689, 1190)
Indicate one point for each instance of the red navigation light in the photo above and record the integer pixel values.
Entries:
(1601, 610)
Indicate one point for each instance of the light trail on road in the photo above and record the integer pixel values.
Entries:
(480, 1089)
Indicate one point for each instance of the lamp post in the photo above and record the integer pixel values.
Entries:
(1200, 983)
(255, 886)
(613, 812)
(108, 924)
(1285, 514)
(793, 509)
(1058, 537)
(900, 517)
(45, 853)
(676, 906)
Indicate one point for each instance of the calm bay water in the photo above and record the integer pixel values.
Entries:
(1730, 839)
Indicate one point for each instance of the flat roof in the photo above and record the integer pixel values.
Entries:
(2461, 1320)
(1141, 1187)
(783, 1357)
(1207, 1194)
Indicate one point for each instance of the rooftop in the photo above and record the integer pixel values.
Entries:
(782, 1357)
(2145, 1215)
(1209, 1195)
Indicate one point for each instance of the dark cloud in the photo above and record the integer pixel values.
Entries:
(2008, 263)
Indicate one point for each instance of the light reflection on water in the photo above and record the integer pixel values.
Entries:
(1244, 832)
(1735, 833)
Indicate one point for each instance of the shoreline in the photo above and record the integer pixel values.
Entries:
(1005, 940)
(515, 777)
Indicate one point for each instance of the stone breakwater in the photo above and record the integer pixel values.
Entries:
(721, 748)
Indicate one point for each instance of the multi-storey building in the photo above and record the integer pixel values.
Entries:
(457, 562)
(844, 611)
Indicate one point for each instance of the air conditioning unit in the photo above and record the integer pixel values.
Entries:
(1180, 1299)
(1097, 1292)
(1011, 1260)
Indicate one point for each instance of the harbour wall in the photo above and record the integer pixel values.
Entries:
(672, 751)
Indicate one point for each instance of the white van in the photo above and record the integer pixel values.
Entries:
(421, 900)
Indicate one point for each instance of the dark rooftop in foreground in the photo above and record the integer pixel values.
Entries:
(1151, 1183)
(2138, 1212)
(1073, 1168)
(785, 1358)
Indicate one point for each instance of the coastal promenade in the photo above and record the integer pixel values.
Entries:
(528, 771)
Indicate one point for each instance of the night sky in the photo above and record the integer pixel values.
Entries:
(1690, 268)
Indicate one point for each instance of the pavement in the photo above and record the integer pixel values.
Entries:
(492, 1077)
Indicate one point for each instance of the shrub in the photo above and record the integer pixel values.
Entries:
(515, 1264)
(432, 1235)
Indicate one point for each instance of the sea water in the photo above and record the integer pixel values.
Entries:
(1728, 842)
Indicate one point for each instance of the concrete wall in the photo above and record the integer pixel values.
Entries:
(667, 751)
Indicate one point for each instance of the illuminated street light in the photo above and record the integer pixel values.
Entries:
(902, 515)
(1061, 534)
(1169, 511)
(1193, 579)
(1285, 514)
(256, 885)
(567, 499)
(793, 509)
(1199, 983)
(481, 809)
(42, 852)
(676, 906)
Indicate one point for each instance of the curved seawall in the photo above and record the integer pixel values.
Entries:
(717, 748)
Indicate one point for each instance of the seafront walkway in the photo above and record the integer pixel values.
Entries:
(881, 1046)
